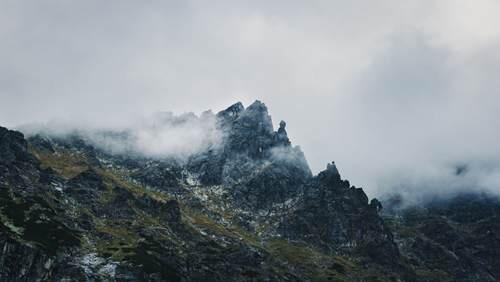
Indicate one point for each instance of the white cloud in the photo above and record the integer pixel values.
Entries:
(161, 135)
(377, 86)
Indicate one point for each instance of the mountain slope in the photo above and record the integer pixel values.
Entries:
(454, 239)
(245, 209)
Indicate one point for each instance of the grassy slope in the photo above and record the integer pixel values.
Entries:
(119, 240)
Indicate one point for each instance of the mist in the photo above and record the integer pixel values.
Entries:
(397, 94)
(160, 135)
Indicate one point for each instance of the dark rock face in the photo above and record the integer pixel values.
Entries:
(132, 233)
(334, 215)
(86, 188)
(281, 137)
(258, 162)
(251, 132)
(248, 209)
(32, 229)
(160, 174)
(455, 239)
(13, 147)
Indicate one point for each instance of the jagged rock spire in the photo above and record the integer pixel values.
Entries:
(281, 135)
(282, 126)
(332, 168)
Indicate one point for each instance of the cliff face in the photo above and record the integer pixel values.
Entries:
(257, 163)
(33, 227)
(455, 239)
(334, 215)
(247, 209)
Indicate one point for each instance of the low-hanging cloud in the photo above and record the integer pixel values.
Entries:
(421, 112)
(162, 135)
(397, 93)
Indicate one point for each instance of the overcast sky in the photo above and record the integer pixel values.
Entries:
(384, 88)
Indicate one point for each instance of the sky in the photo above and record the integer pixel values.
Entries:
(397, 93)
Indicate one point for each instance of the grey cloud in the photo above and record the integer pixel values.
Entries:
(420, 114)
(161, 135)
(386, 89)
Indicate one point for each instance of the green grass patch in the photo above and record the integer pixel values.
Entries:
(66, 163)
(315, 265)
(117, 242)
(117, 179)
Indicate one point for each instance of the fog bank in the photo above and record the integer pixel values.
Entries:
(396, 93)
(161, 135)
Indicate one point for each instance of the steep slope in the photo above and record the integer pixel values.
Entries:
(247, 209)
(334, 215)
(87, 223)
(33, 227)
(455, 239)
(258, 164)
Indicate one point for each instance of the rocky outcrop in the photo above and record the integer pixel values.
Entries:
(13, 147)
(336, 216)
(99, 226)
(257, 162)
(247, 209)
(34, 234)
(104, 216)
(453, 239)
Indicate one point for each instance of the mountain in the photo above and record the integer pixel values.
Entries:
(452, 239)
(246, 208)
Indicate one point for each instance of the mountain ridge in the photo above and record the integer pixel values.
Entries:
(248, 209)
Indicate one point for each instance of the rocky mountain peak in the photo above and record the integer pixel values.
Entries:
(248, 131)
(256, 162)
(330, 174)
(249, 210)
(232, 111)
(257, 106)
(256, 117)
